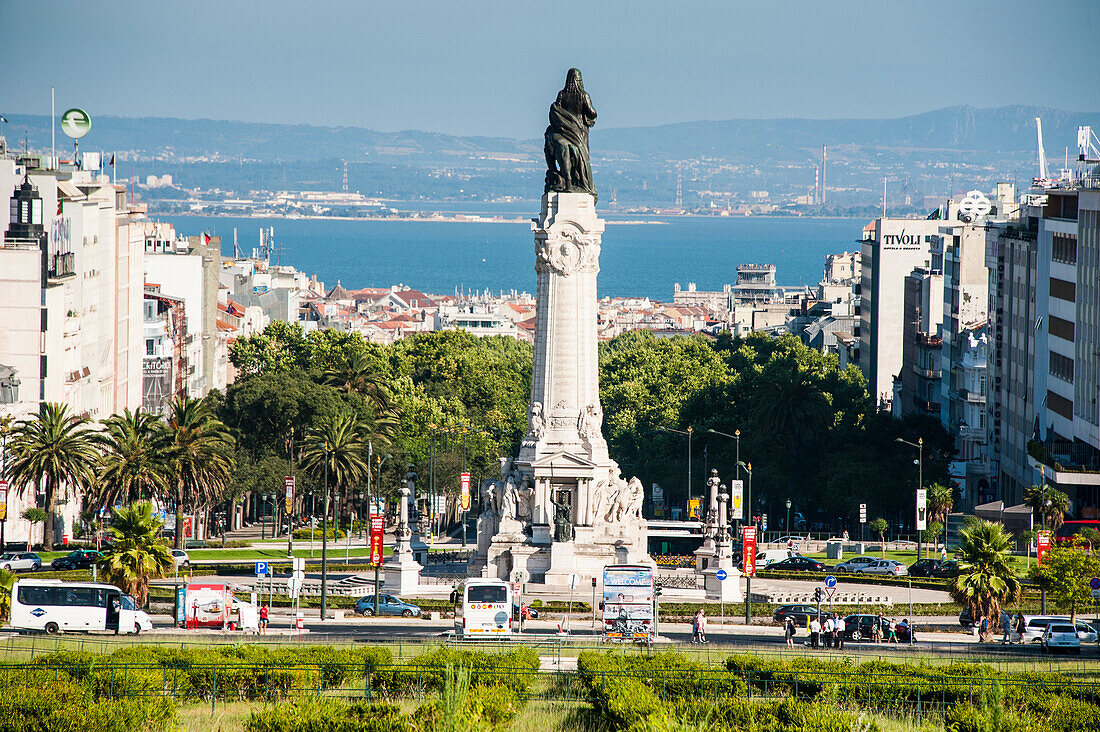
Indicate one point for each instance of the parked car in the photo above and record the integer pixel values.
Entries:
(387, 605)
(924, 568)
(19, 561)
(1037, 625)
(1060, 636)
(79, 559)
(798, 564)
(768, 557)
(950, 568)
(889, 567)
(859, 628)
(800, 613)
(181, 558)
(856, 563)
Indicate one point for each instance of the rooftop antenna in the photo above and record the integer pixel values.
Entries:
(1042, 153)
(236, 249)
(345, 176)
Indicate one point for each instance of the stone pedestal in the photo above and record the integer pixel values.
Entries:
(401, 571)
(727, 590)
(563, 505)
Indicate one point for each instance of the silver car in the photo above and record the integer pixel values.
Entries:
(18, 561)
(856, 564)
(889, 567)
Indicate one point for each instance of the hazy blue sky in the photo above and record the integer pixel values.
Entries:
(478, 67)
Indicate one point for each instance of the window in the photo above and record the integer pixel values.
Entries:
(1063, 290)
(1061, 367)
(1060, 405)
(486, 593)
(1064, 248)
(1060, 328)
(148, 346)
(78, 597)
(36, 596)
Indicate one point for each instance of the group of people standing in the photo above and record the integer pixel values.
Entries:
(1012, 626)
(829, 634)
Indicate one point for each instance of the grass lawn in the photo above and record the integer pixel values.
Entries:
(908, 558)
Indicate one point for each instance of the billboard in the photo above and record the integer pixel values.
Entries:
(464, 496)
(628, 602)
(377, 527)
(922, 509)
(3, 499)
(156, 384)
(738, 499)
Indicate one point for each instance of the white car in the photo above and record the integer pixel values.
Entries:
(18, 561)
(890, 567)
(856, 564)
(1037, 625)
(181, 558)
(1060, 635)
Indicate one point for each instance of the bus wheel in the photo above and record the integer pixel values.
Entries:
(51, 629)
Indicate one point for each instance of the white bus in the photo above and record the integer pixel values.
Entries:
(54, 606)
(628, 594)
(485, 609)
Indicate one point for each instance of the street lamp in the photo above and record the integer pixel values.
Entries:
(361, 515)
(689, 431)
(919, 444)
(788, 517)
(324, 541)
(736, 437)
(747, 467)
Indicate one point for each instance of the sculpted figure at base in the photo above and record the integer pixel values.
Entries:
(563, 518)
(568, 168)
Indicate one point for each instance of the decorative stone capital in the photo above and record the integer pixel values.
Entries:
(567, 250)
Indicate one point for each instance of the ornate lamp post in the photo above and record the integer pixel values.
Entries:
(919, 444)
(689, 432)
(736, 437)
(788, 517)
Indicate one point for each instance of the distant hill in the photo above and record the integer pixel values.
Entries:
(962, 128)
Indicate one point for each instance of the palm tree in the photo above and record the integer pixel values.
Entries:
(1050, 503)
(941, 499)
(136, 556)
(339, 443)
(135, 461)
(200, 451)
(52, 451)
(986, 580)
(358, 374)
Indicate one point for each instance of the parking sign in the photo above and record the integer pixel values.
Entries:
(261, 569)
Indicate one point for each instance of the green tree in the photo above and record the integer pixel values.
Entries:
(33, 515)
(201, 457)
(337, 450)
(136, 554)
(1050, 503)
(1029, 537)
(1065, 576)
(134, 462)
(986, 579)
(53, 451)
(941, 499)
(879, 526)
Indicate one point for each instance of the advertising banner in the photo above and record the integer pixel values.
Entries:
(1042, 546)
(748, 550)
(289, 482)
(922, 509)
(693, 508)
(627, 602)
(738, 499)
(464, 496)
(377, 527)
(3, 499)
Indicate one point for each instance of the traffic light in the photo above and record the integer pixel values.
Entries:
(817, 594)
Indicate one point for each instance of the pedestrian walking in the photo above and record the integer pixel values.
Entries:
(876, 632)
(983, 630)
(789, 630)
(263, 619)
(702, 627)
(698, 627)
(1021, 627)
(815, 632)
(1006, 627)
(893, 628)
(943, 553)
(827, 631)
(838, 630)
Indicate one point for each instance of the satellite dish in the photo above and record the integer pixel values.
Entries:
(76, 123)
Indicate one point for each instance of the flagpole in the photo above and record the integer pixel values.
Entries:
(53, 133)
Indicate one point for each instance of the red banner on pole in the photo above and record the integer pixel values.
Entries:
(748, 550)
(464, 496)
(377, 527)
(1042, 546)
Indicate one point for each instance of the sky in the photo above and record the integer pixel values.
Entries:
(492, 68)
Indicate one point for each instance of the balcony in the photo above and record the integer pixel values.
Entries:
(926, 406)
(1065, 463)
(929, 340)
(927, 373)
(971, 397)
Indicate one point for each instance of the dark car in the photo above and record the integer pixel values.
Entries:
(801, 614)
(79, 559)
(860, 627)
(797, 564)
(924, 568)
(950, 568)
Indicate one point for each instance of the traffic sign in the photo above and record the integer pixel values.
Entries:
(720, 574)
(262, 569)
(863, 513)
(830, 581)
(829, 593)
(1094, 583)
(764, 522)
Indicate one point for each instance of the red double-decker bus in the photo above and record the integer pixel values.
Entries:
(1069, 530)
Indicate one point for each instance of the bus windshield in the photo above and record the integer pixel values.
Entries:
(487, 593)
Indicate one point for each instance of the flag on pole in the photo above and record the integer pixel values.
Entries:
(112, 159)
(205, 238)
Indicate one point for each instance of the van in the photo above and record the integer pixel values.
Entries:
(1038, 624)
(53, 606)
(485, 609)
(771, 556)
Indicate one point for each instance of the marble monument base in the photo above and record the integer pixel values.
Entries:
(401, 574)
(727, 590)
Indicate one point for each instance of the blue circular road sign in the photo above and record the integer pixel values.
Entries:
(1094, 583)
(720, 574)
(830, 582)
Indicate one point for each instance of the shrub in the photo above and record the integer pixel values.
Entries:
(49, 699)
(309, 714)
(333, 533)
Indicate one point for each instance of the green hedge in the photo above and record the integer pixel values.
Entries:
(312, 714)
(300, 534)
